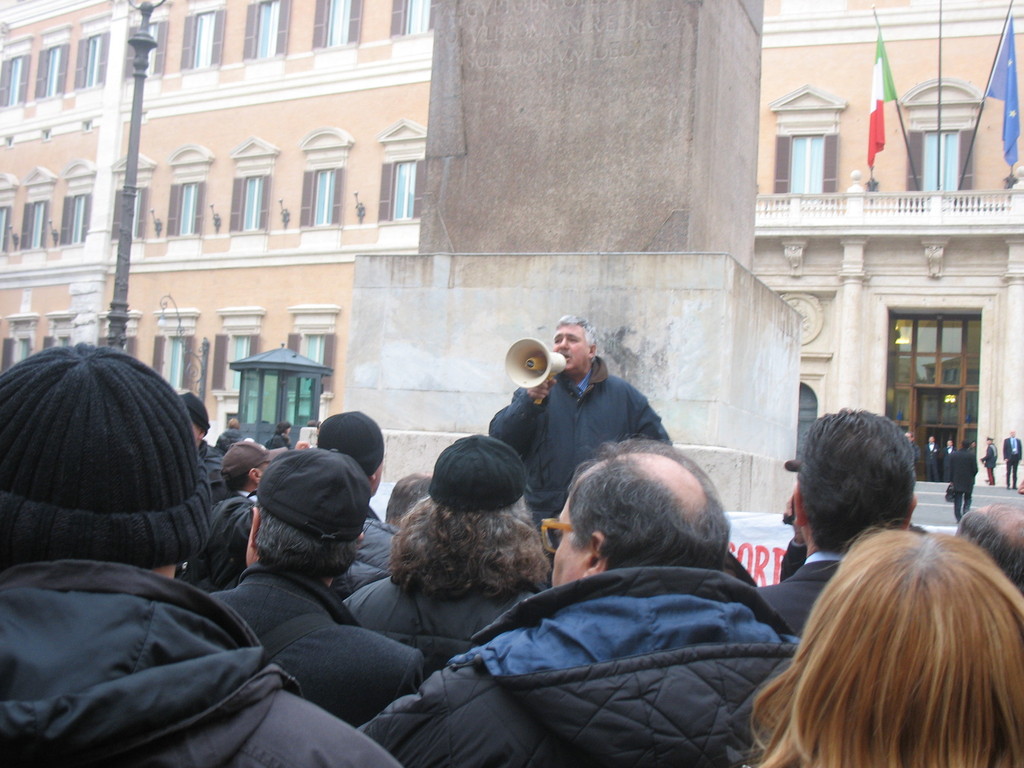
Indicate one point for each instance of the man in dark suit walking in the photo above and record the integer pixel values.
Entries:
(857, 472)
(1011, 455)
(964, 469)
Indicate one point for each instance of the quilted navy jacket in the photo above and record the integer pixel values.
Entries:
(635, 666)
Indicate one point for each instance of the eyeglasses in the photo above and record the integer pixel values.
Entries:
(551, 531)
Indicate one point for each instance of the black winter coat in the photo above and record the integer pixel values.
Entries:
(632, 667)
(373, 560)
(112, 666)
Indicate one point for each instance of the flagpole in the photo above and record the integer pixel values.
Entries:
(991, 73)
(903, 127)
(938, 113)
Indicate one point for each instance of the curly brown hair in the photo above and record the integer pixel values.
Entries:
(442, 552)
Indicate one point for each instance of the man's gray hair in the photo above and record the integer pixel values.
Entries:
(999, 530)
(644, 522)
(588, 330)
(285, 548)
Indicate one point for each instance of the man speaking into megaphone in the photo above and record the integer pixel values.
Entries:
(557, 420)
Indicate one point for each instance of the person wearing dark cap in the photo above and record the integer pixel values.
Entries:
(209, 459)
(462, 556)
(642, 653)
(106, 660)
(305, 529)
(222, 561)
(357, 435)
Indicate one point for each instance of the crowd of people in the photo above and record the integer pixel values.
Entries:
(558, 592)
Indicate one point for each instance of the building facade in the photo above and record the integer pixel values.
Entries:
(280, 138)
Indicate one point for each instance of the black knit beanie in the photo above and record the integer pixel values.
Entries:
(99, 462)
(478, 473)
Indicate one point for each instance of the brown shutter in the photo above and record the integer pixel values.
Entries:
(129, 55)
(101, 75)
(140, 222)
(329, 360)
(783, 149)
(339, 191)
(83, 52)
(7, 357)
(41, 71)
(197, 224)
(26, 225)
(6, 218)
(387, 178)
(308, 199)
(49, 341)
(158, 354)
(237, 204)
(218, 38)
(283, 18)
(421, 188)
(830, 178)
(131, 346)
(915, 147)
(220, 360)
(160, 35)
(966, 168)
(398, 18)
(320, 25)
(188, 44)
(265, 204)
(5, 82)
(249, 47)
(62, 77)
(294, 341)
(355, 17)
(174, 212)
(65, 221)
(254, 344)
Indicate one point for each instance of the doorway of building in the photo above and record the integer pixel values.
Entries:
(933, 374)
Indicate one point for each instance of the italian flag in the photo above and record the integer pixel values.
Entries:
(882, 90)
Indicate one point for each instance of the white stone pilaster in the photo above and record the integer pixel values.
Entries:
(851, 328)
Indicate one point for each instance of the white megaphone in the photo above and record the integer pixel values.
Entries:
(529, 363)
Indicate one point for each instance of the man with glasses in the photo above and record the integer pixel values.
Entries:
(643, 651)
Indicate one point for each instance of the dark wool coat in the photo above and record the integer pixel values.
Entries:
(110, 665)
(555, 437)
(632, 667)
(351, 672)
(373, 560)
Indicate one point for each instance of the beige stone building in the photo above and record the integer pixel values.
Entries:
(283, 137)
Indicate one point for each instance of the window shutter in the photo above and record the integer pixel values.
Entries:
(160, 35)
(249, 47)
(398, 18)
(65, 221)
(783, 147)
(174, 212)
(41, 72)
(387, 177)
(49, 341)
(158, 354)
(966, 168)
(328, 360)
(5, 82)
(131, 346)
(283, 17)
(86, 216)
(101, 75)
(915, 145)
(265, 204)
(237, 204)
(62, 76)
(320, 25)
(26, 226)
(83, 52)
(308, 199)
(254, 344)
(421, 188)
(197, 224)
(294, 341)
(355, 17)
(140, 223)
(218, 38)
(188, 44)
(7, 359)
(830, 178)
(6, 210)
(220, 360)
(339, 191)
(129, 55)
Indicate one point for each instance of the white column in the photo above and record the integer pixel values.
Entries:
(851, 326)
(1011, 385)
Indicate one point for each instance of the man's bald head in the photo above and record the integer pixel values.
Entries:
(999, 530)
(653, 506)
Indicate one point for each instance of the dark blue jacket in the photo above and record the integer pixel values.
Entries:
(563, 431)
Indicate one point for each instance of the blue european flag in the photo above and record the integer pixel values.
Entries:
(1003, 86)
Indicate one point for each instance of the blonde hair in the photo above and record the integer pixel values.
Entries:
(913, 657)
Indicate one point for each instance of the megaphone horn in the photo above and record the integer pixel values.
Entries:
(529, 363)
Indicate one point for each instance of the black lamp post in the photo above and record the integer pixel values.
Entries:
(142, 43)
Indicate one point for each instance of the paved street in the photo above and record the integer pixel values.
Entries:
(933, 509)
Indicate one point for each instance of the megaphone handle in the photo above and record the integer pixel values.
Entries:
(539, 400)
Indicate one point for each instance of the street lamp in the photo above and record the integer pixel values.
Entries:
(195, 363)
(142, 43)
